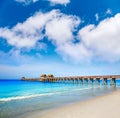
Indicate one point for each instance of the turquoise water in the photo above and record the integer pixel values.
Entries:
(21, 97)
(16, 90)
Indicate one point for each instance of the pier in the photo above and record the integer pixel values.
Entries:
(77, 79)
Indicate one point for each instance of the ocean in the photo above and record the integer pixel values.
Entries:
(18, 98)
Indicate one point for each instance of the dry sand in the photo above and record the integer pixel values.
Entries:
(107, 106)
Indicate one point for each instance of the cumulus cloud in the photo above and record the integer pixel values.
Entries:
(103, 40)
(27, 2)
(15, 56)
(99, 42)
(28, 33)
(62, 37)
(77, 53)
(25, 34)
(63, 27)
(62, 2)
(96, 16)
(108, 11)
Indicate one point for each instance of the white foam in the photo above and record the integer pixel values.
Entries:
(39, 95)
(26, 97)
(85, 88)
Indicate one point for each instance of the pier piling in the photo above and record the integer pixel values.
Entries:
(112, 81)
(97, 81)
(91, 80)
(104, 81)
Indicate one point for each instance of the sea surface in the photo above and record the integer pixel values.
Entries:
(23, 97)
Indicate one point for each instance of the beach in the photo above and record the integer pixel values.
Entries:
(105, 106)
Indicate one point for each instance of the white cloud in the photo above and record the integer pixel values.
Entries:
(97, 16)
(15, 57)
(93, 42)
(99, 42)
(27, 2)
(62, 27)
(62, 2)
(62, 36)
(108, 11)
(77, 53)
(103, 40)
(27, 34)
(58, 27)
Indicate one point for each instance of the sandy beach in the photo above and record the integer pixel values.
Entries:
(106, 106)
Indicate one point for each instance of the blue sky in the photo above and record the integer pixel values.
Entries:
(62, 37)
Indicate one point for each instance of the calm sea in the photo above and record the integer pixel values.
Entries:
(22, 97)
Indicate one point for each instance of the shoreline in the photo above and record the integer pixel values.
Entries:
(107, 105)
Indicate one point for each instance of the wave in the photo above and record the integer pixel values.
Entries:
(39, 95)
(85, 88)
(26, 97)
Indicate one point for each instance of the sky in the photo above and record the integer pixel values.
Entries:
(60, 37)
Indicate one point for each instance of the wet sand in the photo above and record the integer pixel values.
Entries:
(106, 106)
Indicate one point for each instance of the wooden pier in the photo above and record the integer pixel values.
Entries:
(77, 79)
